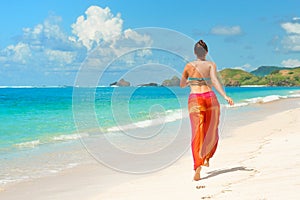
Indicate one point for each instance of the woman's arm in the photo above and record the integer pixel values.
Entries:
(216, 83)
(184, 77)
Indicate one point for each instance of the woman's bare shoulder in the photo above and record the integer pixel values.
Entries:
(189, 65)
(211, 63)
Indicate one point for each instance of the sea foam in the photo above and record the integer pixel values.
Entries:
(30, 144)
(262, 100)
(168, 116)
(67, 137)
(54, 139)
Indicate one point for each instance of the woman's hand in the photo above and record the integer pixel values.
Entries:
(229, 100)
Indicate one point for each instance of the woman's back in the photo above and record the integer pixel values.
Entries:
(198, 73)
(201, 75)
(199, 69)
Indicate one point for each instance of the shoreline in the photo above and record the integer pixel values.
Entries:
(93, 182)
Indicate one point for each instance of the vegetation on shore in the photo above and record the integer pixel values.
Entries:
(265, 75)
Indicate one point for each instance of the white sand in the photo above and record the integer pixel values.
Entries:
(259, 161)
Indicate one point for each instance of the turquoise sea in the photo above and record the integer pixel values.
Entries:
(40, 121)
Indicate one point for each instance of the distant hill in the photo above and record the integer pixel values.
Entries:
(266, 70)
(284, 77)
(267, 75)
(237, 77)
(278, 77)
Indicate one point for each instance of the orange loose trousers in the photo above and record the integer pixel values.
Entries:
(204, 112)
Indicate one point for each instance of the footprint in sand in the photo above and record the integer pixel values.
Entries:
(207, 197)
(200, 186)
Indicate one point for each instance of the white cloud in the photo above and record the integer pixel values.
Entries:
(291, 27)
(45, 48)
(111, 44)
(98, 26)
(246, 67)
(49, 33)
(3, 59)
(140, 39)
(226, 30)
(19, 53)
(61, 57)
(131, 40)
(101, 29)
(296, 18)
(291, 41)
(45, 45)
(291, 63)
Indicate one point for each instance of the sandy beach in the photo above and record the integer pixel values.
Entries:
(125, 100)
(259, 160)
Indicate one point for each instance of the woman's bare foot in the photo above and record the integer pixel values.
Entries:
(206, 164)
(197, 174)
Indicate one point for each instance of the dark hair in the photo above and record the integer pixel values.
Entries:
(200, 48)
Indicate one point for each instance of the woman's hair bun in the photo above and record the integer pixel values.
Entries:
(202, 43)
(200, 48)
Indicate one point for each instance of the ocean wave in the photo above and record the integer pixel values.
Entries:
(30, 144)
(54, 139)
(173, 115)
(253, 86)
(29, 86)
(24, 86)
(14, 178)
(241, 104)
(7, 180)
(265, 99)
(67, 137)
(102, 86)
(169, 116)
(262, 100)
(294, 96)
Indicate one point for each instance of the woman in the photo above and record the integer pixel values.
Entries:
(203, 105)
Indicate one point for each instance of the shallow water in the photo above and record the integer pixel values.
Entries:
(38, 134)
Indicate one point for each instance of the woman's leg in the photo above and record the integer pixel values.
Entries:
(211, 124)
(197, 125)
(197, 174)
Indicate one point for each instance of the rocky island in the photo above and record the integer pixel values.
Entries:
(174, 81)
(121, 83)
(148, 84)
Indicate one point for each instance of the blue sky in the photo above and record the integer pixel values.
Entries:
(46, 42)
